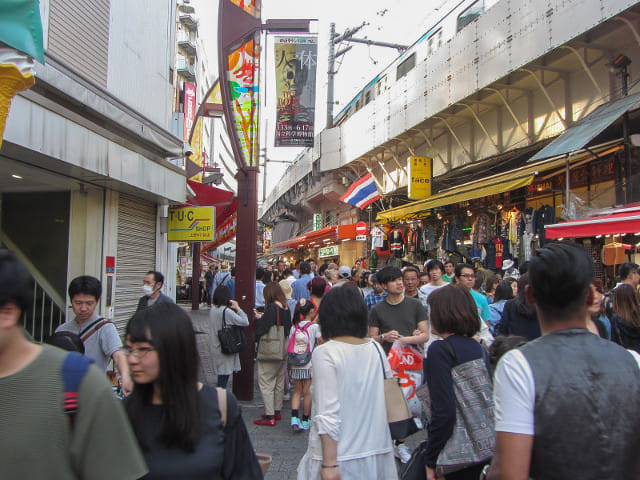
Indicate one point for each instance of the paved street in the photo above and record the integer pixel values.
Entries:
(285, 447)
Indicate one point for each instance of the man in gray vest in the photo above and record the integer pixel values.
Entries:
(567, 405)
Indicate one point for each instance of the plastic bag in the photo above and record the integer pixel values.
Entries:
(406, 363)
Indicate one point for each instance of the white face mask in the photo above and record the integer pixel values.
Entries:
(147, 289)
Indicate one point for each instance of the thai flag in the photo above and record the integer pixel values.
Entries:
(362, 193)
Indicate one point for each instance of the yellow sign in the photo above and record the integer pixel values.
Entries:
(191, 224)
(420, 172)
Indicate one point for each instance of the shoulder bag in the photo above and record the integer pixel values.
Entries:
(473, 436)
(232, 337)
(401, 423)
(272, 347)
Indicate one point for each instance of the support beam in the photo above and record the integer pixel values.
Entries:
(585, 67)
(381, 165)
(547, 96)
(482, 127)
(453, 134)
(631, 26)
(513, 114)
(395, 159)
(447, 165)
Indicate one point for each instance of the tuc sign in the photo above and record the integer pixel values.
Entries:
(191, 224)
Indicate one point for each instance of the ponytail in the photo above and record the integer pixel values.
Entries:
(303, 307)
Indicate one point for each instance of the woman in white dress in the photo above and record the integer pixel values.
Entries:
(349, 437)
(223, 306)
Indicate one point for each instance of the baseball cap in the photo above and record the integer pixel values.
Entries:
(344, 271)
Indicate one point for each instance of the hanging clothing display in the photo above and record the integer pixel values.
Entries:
(412, 238)
(545, 215)
(499, 250)
(481, 231)
(397, 242)
(429, 238)
(377, 237)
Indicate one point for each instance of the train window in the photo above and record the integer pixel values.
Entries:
(358, 104)
(367, 97)
(470, 14)
(382, 85)
(406, 66)
(434, 42)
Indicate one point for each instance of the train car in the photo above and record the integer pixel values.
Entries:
(449, 19)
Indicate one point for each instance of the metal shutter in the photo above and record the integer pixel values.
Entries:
(136, 255)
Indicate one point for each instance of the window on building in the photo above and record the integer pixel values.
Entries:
(406, 66)
(367, 97)
(470, 14)
(435, 41)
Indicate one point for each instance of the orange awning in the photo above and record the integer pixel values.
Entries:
(321, 237)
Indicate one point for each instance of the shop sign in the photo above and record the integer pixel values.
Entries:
(191, 224)
(361, 238)
(330, 251)
(420, 173)
(317, 221)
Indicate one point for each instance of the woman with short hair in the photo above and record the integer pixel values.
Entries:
(349, 436)
(178, 421)
(224, 311)
(454, 317)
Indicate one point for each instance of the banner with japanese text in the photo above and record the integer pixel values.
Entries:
(295, 64)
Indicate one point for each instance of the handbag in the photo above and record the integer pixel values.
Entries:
(414, 468)
(473, 437)
(401, 423)
(232, 337)
(272, 347)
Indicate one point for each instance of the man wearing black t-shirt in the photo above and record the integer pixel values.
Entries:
(397, 318)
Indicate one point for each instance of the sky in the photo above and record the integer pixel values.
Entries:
(393, 21)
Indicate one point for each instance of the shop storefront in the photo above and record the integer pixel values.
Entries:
(502, 217)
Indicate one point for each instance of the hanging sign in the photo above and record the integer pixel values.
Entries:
(296, 59)
(330, 251)
(317, 221)
(191, 224)
(420, 173)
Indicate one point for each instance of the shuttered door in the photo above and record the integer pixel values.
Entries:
(136, 255)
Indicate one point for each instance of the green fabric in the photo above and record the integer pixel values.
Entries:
(37, 441)
(446, 278)
(21, 27)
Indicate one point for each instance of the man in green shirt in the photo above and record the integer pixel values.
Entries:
(449, 271)
(37, 438)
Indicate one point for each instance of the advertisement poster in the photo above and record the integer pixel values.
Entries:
(295, 62)
(189, 109)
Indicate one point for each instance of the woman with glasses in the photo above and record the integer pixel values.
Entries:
(180, 424)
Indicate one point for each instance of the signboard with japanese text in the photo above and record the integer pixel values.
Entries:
(330, 251)
(191, 224)
(295, 63)
(189, 109)
(317, 221)
(420, 171)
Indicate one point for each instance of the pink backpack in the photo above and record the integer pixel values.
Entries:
(302, 358)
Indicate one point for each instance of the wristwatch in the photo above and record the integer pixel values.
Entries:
(381, 337)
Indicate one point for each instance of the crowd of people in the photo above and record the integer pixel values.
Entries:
(528, 377)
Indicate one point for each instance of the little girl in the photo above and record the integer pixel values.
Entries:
(306, 333)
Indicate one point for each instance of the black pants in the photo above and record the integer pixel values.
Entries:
(469, 473)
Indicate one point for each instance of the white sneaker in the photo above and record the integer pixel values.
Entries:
(402, 452)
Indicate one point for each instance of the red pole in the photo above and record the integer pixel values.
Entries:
(246, 232)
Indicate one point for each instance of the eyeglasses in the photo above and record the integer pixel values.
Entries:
(137, 352)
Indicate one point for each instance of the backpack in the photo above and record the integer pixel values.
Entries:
(74, 368)
(295, 359)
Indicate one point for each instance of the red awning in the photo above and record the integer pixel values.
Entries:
(321, 237)
(208, 196)
(618, 222)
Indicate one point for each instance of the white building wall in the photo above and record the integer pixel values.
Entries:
(141, 50)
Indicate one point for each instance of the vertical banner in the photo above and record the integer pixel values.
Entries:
(420, 172)
(189, 109)
(196, 149)
(295, 61)
(244, 66)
